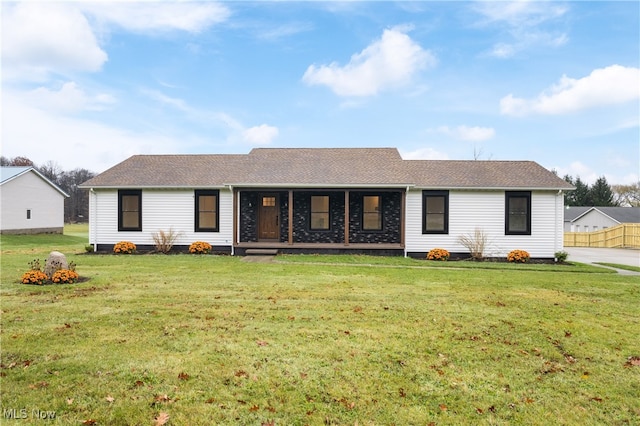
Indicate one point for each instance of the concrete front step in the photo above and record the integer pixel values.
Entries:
(261, 252)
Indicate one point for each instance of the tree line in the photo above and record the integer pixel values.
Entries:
(76, 207)
(601, 194)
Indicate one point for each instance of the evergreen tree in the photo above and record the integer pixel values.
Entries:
(582, 196)
(569, 196)
(600, 193)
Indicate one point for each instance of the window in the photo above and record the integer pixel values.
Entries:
(268, 201)
(320, 212)
(206, 211)
(130, 210)
(518, 213)
(435, 207)
(28, 213)
(371, 214)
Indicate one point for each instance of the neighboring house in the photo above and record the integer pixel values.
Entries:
(570, 213)
(589, 219)
(359, 200)
(30, 203)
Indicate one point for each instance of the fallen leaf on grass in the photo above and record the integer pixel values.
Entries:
(261, 343)
(39, 385)
(89, 422)
(183, 376)
(254, 408)
(269, 423)
(110, 399)
(162, 419)
(443, 407)
(633, 361)
(69, 401)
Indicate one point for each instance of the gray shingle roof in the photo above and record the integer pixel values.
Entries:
(322, 167)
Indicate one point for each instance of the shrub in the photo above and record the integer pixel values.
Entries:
(164, 240)
(200, 247)
(521, 256)
(124, 247)
(561, 256)
(476, 243)
(64, 276)
(438, 254)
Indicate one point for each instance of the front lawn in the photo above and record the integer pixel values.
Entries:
(216, 340)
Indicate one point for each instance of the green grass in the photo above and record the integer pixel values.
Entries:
(215, 340)
(620, 266)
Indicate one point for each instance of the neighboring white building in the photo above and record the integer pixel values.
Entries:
(29, 202)
(589, 219)
(328, 200)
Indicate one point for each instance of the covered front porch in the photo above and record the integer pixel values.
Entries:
(318, 220)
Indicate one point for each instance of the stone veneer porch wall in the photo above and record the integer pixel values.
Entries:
(391, 217)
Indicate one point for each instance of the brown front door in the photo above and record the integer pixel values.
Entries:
(268, 217)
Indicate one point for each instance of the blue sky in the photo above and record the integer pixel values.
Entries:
(88, 84)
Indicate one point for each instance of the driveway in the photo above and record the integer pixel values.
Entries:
(607, 255)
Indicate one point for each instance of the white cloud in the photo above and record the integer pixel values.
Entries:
(424, 154)
(604, 86)
(71, 142)
(260, 135)
(526, 22)
(143, 17)
(520, 13)
(69, 98)
(467, 133)
(390, 61)
(40, 38)
(589, 176)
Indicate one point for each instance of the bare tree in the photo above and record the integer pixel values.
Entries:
(627, 195)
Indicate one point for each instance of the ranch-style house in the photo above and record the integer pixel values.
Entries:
(328, 200)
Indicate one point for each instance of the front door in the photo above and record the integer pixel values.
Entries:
(269, 218)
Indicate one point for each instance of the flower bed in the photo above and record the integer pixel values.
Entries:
(36, 276)
(438, 254)
(200, 247)
(518, 256)
(124, 247)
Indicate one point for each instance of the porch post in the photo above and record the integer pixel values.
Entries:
(346, 217)
(291, 217)
(235, 219)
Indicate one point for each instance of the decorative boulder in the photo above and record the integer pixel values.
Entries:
(55, 261)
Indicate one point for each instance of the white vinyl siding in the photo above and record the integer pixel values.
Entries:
(30, 192)
(485, 210)
(161, 210)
